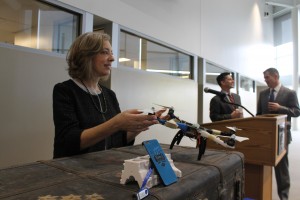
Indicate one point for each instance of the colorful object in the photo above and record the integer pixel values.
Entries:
(194, 131)
(160, 162)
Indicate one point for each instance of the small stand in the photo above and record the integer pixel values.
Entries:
(136, 169)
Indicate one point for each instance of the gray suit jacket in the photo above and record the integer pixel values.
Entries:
(219, 110)
(286, 98)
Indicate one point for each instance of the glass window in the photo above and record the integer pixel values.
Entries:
(247, 84)
(213, 71)
(37, 25)
(283, 42)
(284, 62)
(143, 54)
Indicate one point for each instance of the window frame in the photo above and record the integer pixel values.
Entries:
(192, 63)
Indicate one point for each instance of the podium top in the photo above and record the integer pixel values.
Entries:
(268, 117)
(273, 115)
(266, 133)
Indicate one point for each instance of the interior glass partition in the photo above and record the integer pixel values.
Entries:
(140, 53)
(212, 71)
(37, 25)
(283, 45)
(247, 84)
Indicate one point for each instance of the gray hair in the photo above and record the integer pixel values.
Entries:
(272, 71)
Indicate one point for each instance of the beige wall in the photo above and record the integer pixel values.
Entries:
(27, 78)
(232, 33)
(26, 81)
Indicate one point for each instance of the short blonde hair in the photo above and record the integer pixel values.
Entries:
(81, 52)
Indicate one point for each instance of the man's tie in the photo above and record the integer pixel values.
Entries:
(272, 96)
(231, 99)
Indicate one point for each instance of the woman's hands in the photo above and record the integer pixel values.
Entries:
(132, 121)
(160, 112)
(135, 121)
(138, 121)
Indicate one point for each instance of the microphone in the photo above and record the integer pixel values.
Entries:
(220, 94)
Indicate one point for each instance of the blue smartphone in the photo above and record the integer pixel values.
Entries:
(160, 162)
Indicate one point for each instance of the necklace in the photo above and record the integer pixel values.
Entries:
(100, 109)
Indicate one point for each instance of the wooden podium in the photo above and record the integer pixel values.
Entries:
(266, 146)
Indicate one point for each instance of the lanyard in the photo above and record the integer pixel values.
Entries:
(143, 192)
(146, 178)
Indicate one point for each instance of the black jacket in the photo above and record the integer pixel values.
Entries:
(74, 111)
(219, 110)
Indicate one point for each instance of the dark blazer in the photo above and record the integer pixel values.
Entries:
(286, 98)
(74, 111)
(219, 110)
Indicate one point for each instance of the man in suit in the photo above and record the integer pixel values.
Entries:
(219, 109)
(278, 99)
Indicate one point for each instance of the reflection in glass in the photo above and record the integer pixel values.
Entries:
(37, 25)
(143, 54)
(247, 84)
(212, 71)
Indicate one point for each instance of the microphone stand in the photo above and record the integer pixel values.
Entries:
(223, 99)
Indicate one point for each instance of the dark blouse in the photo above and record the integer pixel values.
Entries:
(74, 111)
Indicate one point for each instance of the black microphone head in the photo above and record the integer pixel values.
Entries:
(206, 89)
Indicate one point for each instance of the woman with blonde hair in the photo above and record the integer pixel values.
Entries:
(87, 116)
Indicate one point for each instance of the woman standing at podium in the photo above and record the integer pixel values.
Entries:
(278, 99)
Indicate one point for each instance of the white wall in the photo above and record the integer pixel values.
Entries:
(231, 33)
(26, 83)
(175, 22)
(142, 90)
(236, 35)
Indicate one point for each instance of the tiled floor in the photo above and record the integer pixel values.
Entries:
(294, 161)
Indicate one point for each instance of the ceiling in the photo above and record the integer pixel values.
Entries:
(276, 8)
